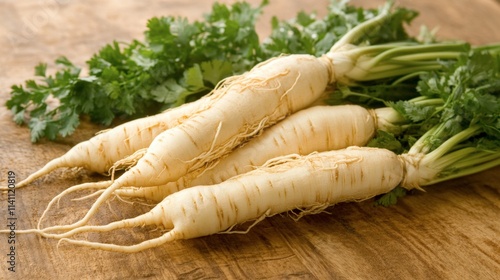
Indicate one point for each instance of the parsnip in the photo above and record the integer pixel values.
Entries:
(305, 183)
(278, 88)
(315, 129)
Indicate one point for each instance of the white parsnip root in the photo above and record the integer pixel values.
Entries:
(310, 183)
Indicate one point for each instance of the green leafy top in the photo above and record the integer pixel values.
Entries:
(177, 62)
(459, 135)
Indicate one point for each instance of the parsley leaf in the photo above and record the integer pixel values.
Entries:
(177, 61)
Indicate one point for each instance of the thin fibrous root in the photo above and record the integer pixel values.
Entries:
(128, 162)
(258, 220)
(84, 186)
(151, 243)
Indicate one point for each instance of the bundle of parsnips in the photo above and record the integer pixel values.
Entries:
(264, 141)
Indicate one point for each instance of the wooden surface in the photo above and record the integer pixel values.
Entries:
(452, 231)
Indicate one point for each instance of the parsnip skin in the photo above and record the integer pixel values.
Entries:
(309, 183)
(235, 111)
(102, 151)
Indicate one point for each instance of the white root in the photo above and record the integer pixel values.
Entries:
(309, 183)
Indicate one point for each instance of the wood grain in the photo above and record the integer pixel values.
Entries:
(452, 231)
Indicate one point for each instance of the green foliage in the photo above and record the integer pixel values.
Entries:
(178, 61)
(391, 198)
(471, 90)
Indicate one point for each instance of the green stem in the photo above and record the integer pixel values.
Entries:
(375, 74)
(451, 158)
(448, 144)
(379, 62)
(348, 92)
(356, 52)
(423, 52)
(428, 101)
(492, 48)
(419, 98)
(468, 171)
(428, 56)
(407, 77)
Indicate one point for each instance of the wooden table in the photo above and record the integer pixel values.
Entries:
(452, 231)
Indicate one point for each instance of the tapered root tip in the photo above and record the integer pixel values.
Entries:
(84, 186)
(148, 244)
(49, 167)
